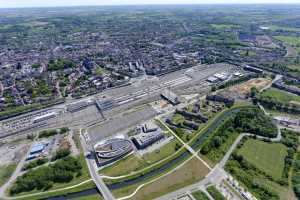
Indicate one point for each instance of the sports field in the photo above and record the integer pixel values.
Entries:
(268, 157)
(282, 96)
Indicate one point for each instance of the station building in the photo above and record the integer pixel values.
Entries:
(170, 97)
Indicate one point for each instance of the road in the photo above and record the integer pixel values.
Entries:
(137, 92)
(107, 195)
(14, 176)
(188, 147)
(277, 77)
(217, 174)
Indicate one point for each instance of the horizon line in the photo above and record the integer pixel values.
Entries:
(120, 5)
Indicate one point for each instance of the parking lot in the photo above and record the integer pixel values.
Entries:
(121, 122)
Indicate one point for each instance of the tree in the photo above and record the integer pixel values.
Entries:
(253, 92)
(177, 146)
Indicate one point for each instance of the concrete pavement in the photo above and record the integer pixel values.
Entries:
(107, 195)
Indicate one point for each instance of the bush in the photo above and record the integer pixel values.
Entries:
(61, 153)
(214, 192)
(64, 130)
(35, 163)
(51, 132)
(44, 177)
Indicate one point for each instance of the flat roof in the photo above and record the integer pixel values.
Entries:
(37, 147)
(45, 116)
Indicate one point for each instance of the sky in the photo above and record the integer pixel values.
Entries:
(47, 3)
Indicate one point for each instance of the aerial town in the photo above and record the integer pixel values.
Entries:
(165, 102)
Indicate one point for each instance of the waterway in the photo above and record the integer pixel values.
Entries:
(75, 195)
(196, 145)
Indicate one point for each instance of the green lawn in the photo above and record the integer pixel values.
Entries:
(90, 197)
(283, 28)
(124, 166)
(224, 26)
(161, 153)
(199, 195)
(268, 157)
(215, 193)
(85, 186)
(290, 40)
(280, 95)
(295, 66)
(133, 163)
(177, 119)
(5, 172)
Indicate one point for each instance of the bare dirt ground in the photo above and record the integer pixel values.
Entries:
(244, 88)
(265, 41)
(13, 152)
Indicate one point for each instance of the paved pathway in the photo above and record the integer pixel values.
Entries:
(13, 177)
(94, 174)
(188, 147)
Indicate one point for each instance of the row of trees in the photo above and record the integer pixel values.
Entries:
(35, 163)
(61, 153)
(291, 141)
(296, 176)
(274, 104)
(247, 174)
(214, 192)
(250, 120)
(51, 132)
(43, 178)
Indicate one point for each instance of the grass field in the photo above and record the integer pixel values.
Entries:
(177, 119)
(199, 195)
(224, 26)
(86, 186)
(276, 28)
(5, 172)
(161, 153)
(265, 156)
(76, 180)
(215, 193)
(290, 40)
(133, 163)
(124, 166)
(295, 66)
(89, 197)
(280, 95)
(192, 172)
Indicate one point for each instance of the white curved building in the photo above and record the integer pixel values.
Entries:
(110, 150)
